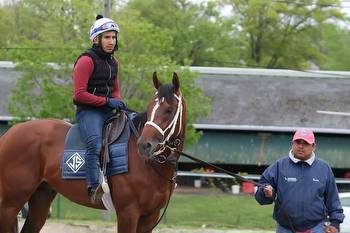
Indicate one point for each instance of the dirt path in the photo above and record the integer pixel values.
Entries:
(57, 227)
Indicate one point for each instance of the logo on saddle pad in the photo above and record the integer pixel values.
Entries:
(75, 162)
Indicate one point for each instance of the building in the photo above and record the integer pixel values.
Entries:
(255, 111)
(8, 77)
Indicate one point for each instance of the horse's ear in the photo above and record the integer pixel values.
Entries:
(156, 81)
(176, 82)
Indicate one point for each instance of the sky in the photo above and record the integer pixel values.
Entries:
(346, 6)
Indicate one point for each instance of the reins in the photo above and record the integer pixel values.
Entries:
(238, 177)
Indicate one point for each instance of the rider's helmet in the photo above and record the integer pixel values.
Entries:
(102, 25)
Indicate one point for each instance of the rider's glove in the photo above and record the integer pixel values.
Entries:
(115, 103)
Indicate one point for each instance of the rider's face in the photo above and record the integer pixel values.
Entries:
(108, 41)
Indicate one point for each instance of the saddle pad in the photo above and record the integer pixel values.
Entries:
(73, 161)
(73, 164)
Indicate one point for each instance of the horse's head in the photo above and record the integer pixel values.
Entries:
(166, 120)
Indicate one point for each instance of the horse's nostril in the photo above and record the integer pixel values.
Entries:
(145, 148)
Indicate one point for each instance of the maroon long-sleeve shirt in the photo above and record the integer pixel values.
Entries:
(82, 72)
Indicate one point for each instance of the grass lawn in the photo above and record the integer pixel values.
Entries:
(213, 210)
(218, 210)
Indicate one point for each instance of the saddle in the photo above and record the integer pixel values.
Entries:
(112, 129)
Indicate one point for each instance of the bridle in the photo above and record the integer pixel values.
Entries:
(165, 142)
(171, 137)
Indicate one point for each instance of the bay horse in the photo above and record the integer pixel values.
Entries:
(31, 152)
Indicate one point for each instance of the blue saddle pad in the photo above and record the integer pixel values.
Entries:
(73, 161)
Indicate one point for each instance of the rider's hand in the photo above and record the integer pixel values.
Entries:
(268, 191)
(115, 103)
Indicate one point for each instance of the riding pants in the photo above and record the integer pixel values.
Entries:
(90, 123)
(319, 228)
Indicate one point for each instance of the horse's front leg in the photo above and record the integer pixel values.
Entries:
(127, 220)
(148, 222)
(8, 219)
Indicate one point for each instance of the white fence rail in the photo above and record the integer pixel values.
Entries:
(249, 177)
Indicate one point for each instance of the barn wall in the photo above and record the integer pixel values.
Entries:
(263, 148)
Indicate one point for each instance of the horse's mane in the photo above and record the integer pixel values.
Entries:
(166, 91)
(140, 120)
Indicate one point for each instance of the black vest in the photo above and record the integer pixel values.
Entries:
(101, 82)
(102, 79)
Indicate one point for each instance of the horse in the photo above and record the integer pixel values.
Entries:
(31, 152)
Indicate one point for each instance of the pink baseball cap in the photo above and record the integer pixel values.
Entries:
(306, 134)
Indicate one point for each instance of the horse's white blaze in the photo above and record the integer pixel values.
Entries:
(172, 126)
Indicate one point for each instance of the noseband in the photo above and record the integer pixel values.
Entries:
(170, 128)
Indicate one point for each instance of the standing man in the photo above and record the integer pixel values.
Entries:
(304, 189)
(96, 95)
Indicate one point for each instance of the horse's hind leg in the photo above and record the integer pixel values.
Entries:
(39, 206)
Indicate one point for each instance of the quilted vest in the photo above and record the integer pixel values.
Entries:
(101, 82)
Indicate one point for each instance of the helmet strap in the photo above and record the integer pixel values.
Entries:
(99, 38)
(116, 47)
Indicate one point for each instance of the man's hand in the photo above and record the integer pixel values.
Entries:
(330, 229)
(268, 191)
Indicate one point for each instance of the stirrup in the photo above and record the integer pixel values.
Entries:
(96, 194)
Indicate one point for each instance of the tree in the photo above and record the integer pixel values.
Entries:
(279, 33)
(335, 48)
(45, 90)
(200, 35)
(9, 30)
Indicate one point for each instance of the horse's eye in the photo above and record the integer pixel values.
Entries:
(169, 110)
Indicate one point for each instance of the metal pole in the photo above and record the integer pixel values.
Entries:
(165, 219)
(106, 215)
(107, 8)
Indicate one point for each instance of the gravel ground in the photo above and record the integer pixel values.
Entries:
(57, 227)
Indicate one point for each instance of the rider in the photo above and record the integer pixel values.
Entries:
(96, 95)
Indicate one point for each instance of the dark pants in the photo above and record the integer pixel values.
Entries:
(319, 228)
(90, 123)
